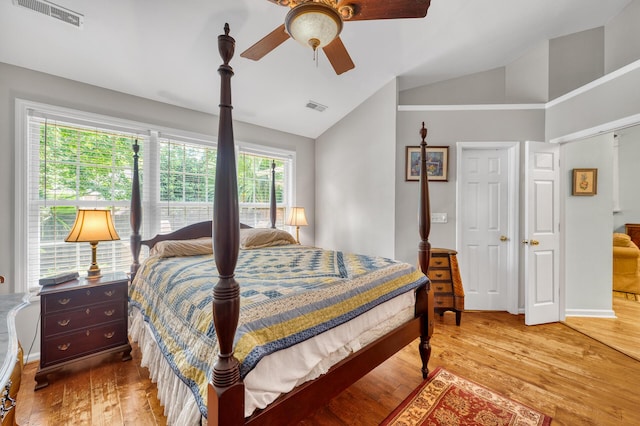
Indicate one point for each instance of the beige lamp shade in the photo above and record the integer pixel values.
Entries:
(297, 218)
(92, 226)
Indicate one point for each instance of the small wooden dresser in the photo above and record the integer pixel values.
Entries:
(633, 230)
(82, 318)
(446, 282)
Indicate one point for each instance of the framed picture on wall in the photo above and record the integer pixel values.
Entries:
(437, 163)
(585, 182)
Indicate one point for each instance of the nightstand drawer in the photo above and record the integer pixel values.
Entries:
(75, 298)
(439, 262)
(442, 288)
(84, 342)
(440, 274)
(82, 318)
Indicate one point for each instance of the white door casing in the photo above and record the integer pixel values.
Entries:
(487, 225)
(541, 236)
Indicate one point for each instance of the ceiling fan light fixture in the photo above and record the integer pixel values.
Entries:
(313, 24)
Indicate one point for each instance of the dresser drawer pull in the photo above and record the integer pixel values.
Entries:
(439, 302)
(439, 274)
(88, 311)
(438, 262)
(439, 288)
(110, 334)
(64, 347)
(64, 301)
(64, 322)
(109, 312)
(87, 333)
(88, 292)
(109, 293)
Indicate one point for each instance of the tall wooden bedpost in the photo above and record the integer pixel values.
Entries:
(226, 391)
(272, 200)
(424, 250)
(135, 217)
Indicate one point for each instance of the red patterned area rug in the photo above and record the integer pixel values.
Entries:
(446, 399)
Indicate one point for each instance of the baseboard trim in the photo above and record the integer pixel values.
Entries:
(591, 313)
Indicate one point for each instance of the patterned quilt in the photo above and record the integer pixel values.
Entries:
(288, 294)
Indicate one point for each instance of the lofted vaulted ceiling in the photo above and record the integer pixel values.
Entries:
(166, 51)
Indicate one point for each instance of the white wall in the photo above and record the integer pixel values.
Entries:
(446, 128)
(355, 178)
(586, 225)
(622, 38)
(21, 83)
(629, 194)
(575, 60)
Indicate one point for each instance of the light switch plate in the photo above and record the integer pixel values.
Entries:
(438, 218)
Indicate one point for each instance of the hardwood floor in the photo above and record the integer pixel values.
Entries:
(621, 333)
(553, 368)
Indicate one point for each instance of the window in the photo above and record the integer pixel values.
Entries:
(78, 160)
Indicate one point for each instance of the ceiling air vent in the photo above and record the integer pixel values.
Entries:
(53, 10)
(316, 106)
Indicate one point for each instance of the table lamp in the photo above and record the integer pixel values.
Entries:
(297, 218)
(93, 226)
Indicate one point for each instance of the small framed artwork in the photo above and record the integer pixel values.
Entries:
(437, 163)
(585, 182)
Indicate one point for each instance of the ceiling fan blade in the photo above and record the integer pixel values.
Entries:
(387, 9)
(338, 56)
(269, 42)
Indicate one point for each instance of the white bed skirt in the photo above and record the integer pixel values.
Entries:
(180, 406)
(305, 361)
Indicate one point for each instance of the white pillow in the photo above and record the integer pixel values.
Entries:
(264, 237)
(177, 248)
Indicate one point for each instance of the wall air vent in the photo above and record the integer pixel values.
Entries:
(53, 10)
(316, 106)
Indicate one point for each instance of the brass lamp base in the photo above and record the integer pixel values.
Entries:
(94, 272)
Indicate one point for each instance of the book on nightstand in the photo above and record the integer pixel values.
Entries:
(59, 278)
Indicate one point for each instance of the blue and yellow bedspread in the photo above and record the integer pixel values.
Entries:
(288, 294)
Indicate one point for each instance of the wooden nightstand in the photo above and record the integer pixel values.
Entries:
(82, 318)
(446, 282)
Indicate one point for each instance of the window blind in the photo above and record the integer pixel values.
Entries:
(77, 160)
(74, 165)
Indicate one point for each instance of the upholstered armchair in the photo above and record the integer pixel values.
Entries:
(626, 264)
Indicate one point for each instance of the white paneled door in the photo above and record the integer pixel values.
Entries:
(541, 233)
(485, 235)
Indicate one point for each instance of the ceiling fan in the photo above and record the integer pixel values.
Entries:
(317, 23)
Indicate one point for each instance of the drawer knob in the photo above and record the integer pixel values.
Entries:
(109, 312)
(88, 311)
(88, 333)
(64, 347)
(109, 293)
(88, 292)
(110, 334)
(64, 322)
(64, 301)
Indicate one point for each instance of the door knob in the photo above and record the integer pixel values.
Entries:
(504, 238)
(534, 242)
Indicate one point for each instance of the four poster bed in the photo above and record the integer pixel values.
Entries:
(290, 327)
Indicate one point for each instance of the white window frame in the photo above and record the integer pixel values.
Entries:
(151, 190)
